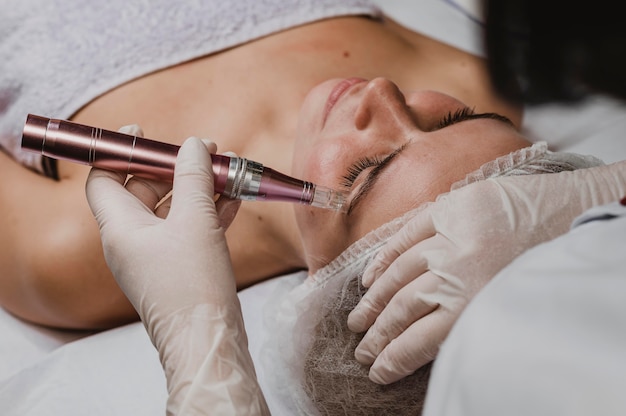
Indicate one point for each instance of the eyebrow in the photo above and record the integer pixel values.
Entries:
(492, 116)
(372, 177)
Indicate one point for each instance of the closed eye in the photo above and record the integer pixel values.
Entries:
(377, 165)
(357, 168)
(467, 113)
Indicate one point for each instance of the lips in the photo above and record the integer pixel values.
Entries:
(337, 92)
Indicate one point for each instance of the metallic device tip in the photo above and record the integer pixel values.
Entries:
(329, 199)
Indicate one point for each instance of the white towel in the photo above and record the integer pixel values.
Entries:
(58, 55)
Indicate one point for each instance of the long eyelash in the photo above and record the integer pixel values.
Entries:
(355, 170)
(452, 118)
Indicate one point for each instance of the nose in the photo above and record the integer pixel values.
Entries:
(383, 103)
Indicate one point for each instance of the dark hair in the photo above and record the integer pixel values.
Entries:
(557, 50)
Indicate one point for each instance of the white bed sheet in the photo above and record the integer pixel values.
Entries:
(117, 372)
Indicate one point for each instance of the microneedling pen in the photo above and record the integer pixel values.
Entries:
(234, 177)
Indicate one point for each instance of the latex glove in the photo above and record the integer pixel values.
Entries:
(177, 274)
(427, 273)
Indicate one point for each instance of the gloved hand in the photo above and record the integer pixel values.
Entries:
(426, 274)
(177, 274)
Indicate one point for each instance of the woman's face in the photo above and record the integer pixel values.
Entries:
(389, 151)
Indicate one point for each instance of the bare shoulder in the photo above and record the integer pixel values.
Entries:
(51, 269)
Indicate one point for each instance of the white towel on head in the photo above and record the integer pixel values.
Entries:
(58, 55)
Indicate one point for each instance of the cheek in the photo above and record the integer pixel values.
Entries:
(304, 145)
(299, 160)
(322, 162)
(323, 234)
(306, 164)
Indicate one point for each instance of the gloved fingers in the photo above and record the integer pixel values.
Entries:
(415, 347)
(149, 192)
(193, 184)
(407, 267)
(163, 208)
(131, 129)
(417, 229)
(409, 305)
(108, 198)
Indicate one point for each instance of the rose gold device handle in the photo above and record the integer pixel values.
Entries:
(234, 177)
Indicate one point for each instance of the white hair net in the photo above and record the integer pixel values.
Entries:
(309, 350)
